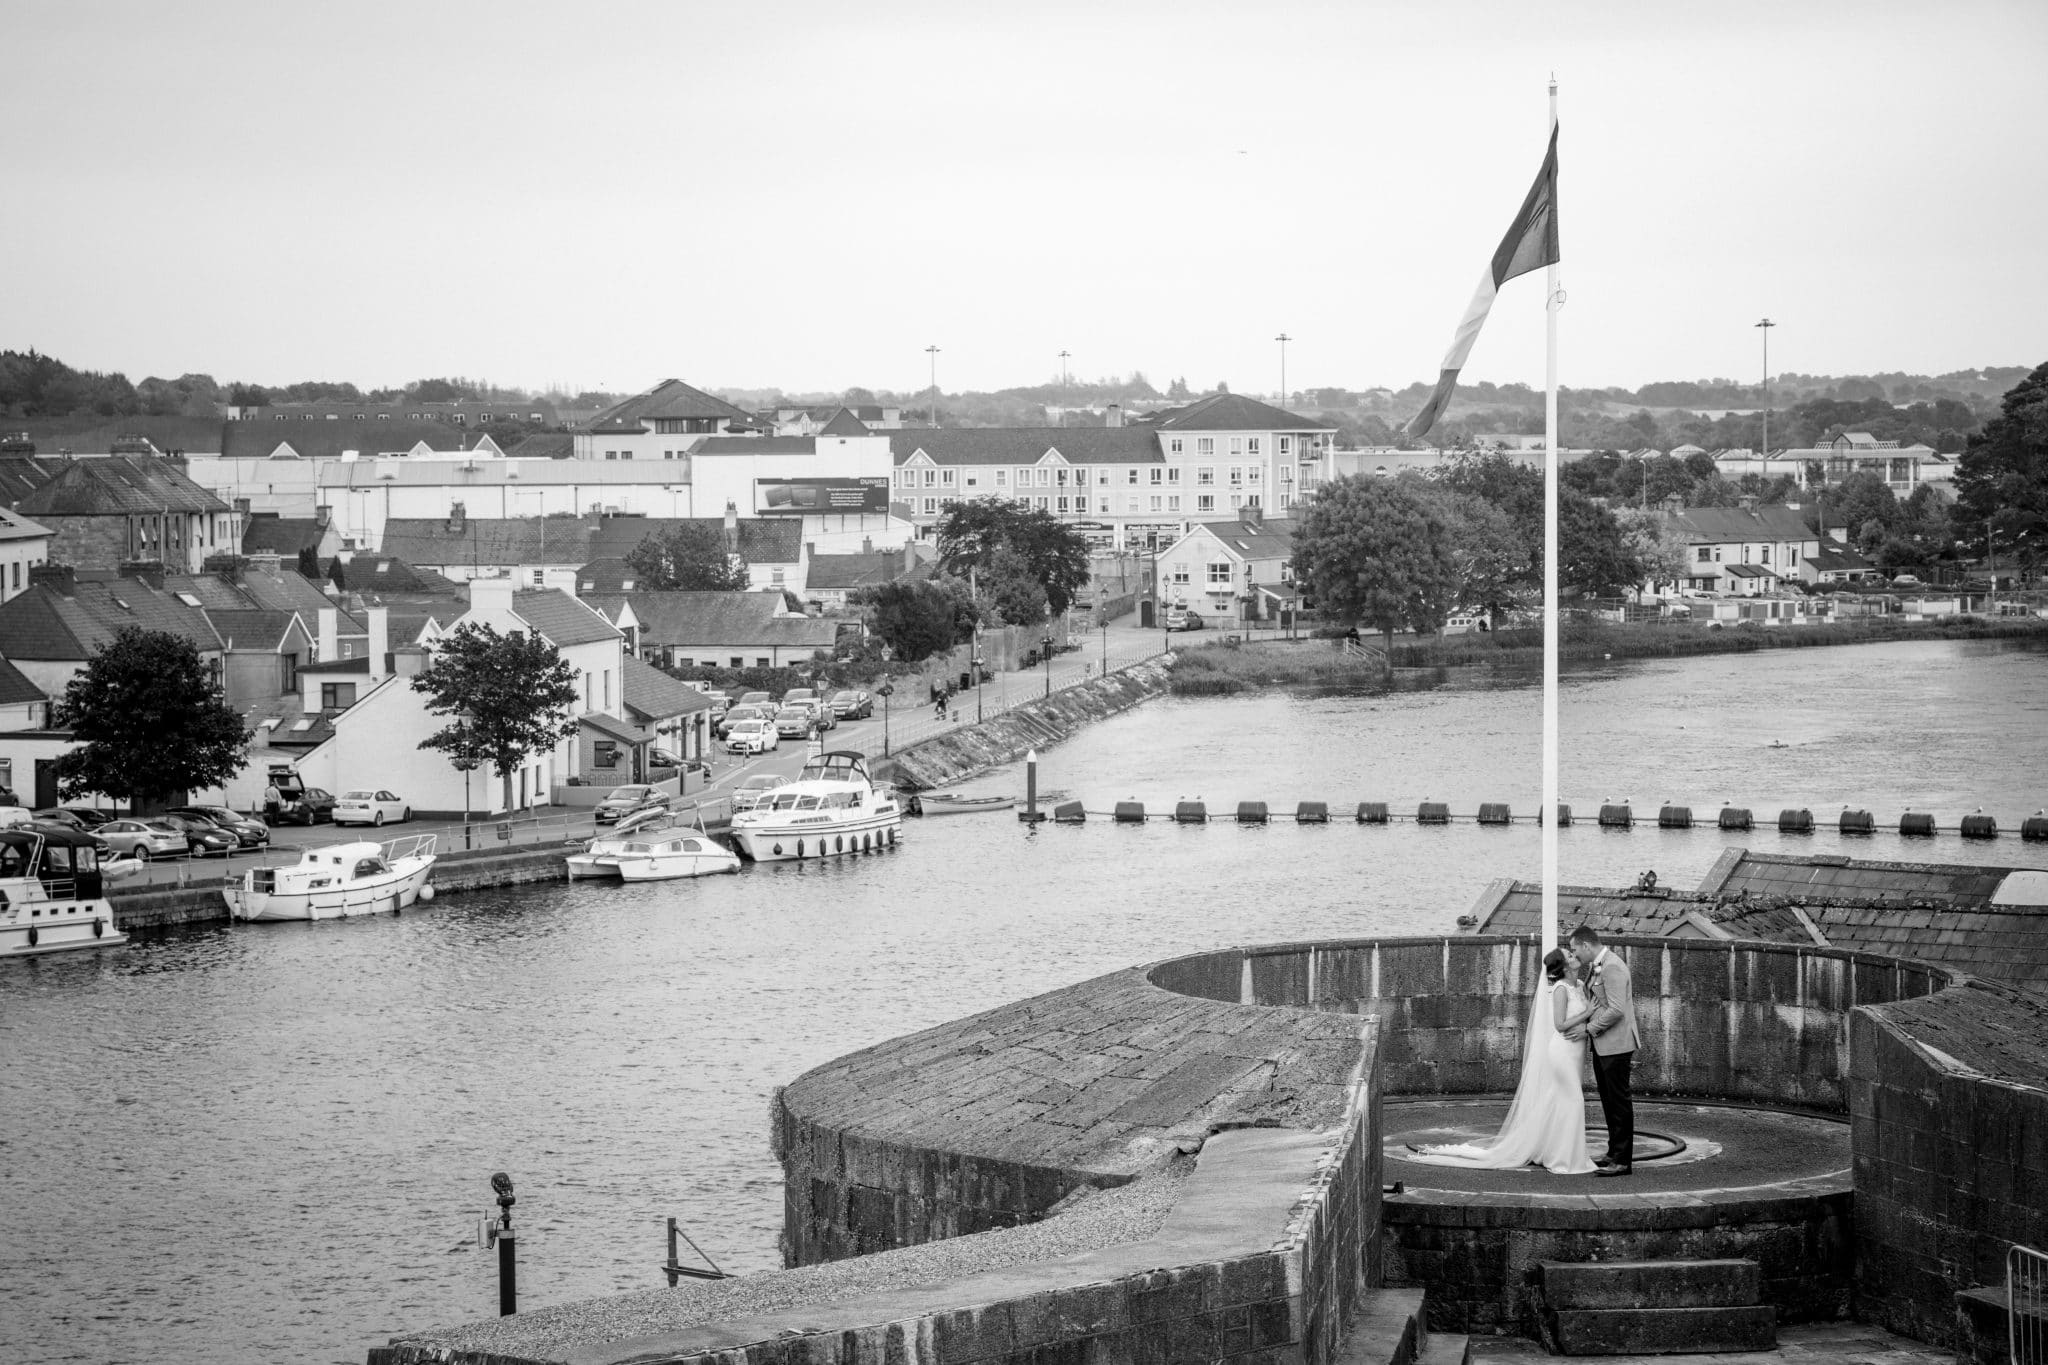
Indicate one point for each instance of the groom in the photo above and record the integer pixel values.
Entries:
(1612, 1031)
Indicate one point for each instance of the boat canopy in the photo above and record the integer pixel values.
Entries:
(841, 765)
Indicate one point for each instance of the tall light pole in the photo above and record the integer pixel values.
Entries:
(933, 352)
(1064, 381)
(1102, 614)
(1766, 325)
(1283, 339)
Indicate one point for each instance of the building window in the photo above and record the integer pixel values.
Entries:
(738, 662)
(775, 577)
(931, 507)
(1287, 473)
(1286, 445)
(1706, 555)
(1173, 474)
(1064, 509)
(540, 578)
(1205, 476)
(1174, 445)
(1180, 573)
(946, 477)
(1045, 477)
(1205, 502)
(761, 663)
(1252, 445)
(1157, 475)
(611, 454)
(1237, 445)
(1155, 502)
(1219, 575)
(291, 673)
(1237, 476)
(337, 696)
(1205, 445)
(971, 481)
(605, 753)
(1133, 473)
(1236, 500)
(1173, 502)
(1002, 476)
(1251, 475)
(931, 478)
(1251, 499)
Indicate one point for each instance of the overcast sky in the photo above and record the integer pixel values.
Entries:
(807, 195)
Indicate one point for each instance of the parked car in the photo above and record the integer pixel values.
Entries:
(1180, 618)
(202, 837)
(662, 758)
(249, 832)
(71, 831)
(755, 699)
(851, 704)
(745, 711)
(749, 792)
(56, 815)
(720, 703)
(143, 839)
(364, 807)
(814, 701)
(94, 818)
(625, 801)
(752, 736)
(305, 806)
(796, 722)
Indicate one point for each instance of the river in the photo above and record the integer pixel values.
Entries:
(271, 1143)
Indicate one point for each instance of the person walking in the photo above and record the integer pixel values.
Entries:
(273, 803)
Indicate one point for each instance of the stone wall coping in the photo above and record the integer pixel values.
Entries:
(1782, 1201)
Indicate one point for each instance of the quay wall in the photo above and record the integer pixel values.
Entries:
(972, 749)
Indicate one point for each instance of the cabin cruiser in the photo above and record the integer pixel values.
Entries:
(832, 807)
(51, 893)
(651, 847)
(338, 880)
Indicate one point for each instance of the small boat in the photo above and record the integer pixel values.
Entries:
(50, 894)
(651, 847)
(338, 881)
(942, 803)
(833, 807)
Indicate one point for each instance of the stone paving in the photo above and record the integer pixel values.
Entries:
(1826, 1343)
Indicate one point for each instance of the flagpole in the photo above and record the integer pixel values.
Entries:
(1548, 816)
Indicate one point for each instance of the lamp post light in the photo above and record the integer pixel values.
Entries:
(1283, 339)
(1102, 615)
(1046, 645)
(1767, 325)
(933, 352)
(980, 667)
(885, 691)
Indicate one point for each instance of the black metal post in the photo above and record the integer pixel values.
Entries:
(1046, 642)
(508, 1262)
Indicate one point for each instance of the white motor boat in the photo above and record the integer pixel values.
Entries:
(832, 808)
(50, 894)
(650, 847)
(338, 881)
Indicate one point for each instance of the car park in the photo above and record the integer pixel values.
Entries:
(752, 736)
(745, 711)
(55, 815)
(851, 704)
(630, 800)
(366, 807)
(143, 839)
(202, 837)
(249, 832)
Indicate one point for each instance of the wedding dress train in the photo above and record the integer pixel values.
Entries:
(1546, 1123)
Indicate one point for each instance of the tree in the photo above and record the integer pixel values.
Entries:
(1592, 557)
(1008, 587)
(151, 723)
(509, 696)
(337, 574)
(972, 532)
(1179, 389)
(248, 396)
(2002, 478)
(1660, 551)
(691, 556)
(309, 562)
(1865, 504)
(1377, 551)
(1491, 556)
(915, 619)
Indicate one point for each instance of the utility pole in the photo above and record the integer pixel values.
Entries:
(1064, 381)
(933, 352)
(1766, 325)
(1283, 339)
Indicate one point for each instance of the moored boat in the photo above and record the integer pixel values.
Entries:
(832, 808)
(50, 894)
(943, 803)
(337, 881)
(651, 847)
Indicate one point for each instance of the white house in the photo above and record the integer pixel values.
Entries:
(1237, 452)
(1107, 482)
(1231, 570)
(1743, 551)
(23, 545)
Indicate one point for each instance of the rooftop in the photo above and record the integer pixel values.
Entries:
(112, 485)
(15, 688)
(1272, 539)
(323, 440)
(282, 535)
(671, 399)
(1233, 412)
(1027, 445)
(1731, 525)
(714, 619)
(562, 619)
(653, 695)
(517, 541)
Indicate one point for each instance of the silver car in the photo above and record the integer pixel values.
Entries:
(142, 839)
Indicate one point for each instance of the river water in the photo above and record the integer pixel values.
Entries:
(271, 1143)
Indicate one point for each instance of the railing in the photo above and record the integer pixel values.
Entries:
(410, 846)
(2026, 1305)
(1371, 654)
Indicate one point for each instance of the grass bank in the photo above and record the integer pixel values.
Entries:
(1221, 670)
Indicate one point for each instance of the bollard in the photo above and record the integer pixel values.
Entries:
(1130, 812)
(1735, 817)
(1312, 813)
(1030, 814)
(1856, 822)
(1795, 822)
(1917, 822)
(2034, 829)
(1372, 812)
(1980, 826)
(1190, 813)
(1675, 817)
(1495, 813)
(1433, 813)
(1616, 817)
(1564, 816)
(1069, 813)
(1251, 812)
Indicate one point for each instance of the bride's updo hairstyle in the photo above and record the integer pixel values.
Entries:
(1554, 964)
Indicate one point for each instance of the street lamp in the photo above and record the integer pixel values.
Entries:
(1283, 339)
(933, 352)
(979, 669)
(1102, 615)
(1767, 325)
(885, 691)
(1046, 644)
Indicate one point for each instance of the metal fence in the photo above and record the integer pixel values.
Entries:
(2026, 1305)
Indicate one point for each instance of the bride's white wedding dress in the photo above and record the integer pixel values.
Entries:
(1546, 1124)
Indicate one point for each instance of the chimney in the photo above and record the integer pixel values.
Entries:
(267, 562)
(407, 661)
(867, 545)
(380, 640)
(1113, 416)
(1253, 515)
(150, 571)
(327, 643)
(61, 578)
(323, 514)
(491, 594)
(458, 516)
(732, 518)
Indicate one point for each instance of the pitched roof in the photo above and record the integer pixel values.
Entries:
(561, 618)
(756, 445)
(763, 540)
(716, 619)
(653, 695)
(15, 688)
(855, 570)
(252, 629)
(117, 485)
(324, 440)
(671, 398)
(1028, 445)
(1728, 525)
(609, 574)
(844, 423)
(254, 588)
(14, 526)
(544, 445)
(608, 725)
(96, 435)
(282, 535)
(377, 574)
(45, 623)
(1268, 540)
(1832, 558)
(1233, 412)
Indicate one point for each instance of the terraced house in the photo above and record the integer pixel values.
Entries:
(105, 511)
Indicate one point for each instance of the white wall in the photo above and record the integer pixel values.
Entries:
(376, 745)
(17, 557)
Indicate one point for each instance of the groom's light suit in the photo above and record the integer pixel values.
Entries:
(1613, 1035)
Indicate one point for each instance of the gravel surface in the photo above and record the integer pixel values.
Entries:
(1105, 1218)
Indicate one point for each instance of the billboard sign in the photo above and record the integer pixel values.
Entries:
(820, 497)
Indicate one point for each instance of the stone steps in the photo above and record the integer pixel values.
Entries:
(1655, 1308)
(1388, 1329)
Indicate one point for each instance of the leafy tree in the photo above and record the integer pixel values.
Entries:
(691, 556)
(1593, 557)
(915, 619)
(972, 532)
(337, 574)
(1491, 556)
(1377, 551)
(1179, 389)
(1008, 587)
(508, 696)
(151, 722)
(309, 562)
(248, 396)
(1660, 551)
(2002, 478)
(1865, 504)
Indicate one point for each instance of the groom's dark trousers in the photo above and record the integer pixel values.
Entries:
(1610, 1074)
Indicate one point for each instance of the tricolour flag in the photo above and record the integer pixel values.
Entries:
(1530, 244)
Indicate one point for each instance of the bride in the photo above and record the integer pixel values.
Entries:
(1546, 1124)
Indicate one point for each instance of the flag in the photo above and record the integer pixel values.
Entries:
(1530, 244)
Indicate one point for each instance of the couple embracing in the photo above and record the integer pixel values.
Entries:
(1583, 1002)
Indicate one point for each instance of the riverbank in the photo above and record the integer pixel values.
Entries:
(1223, 670)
